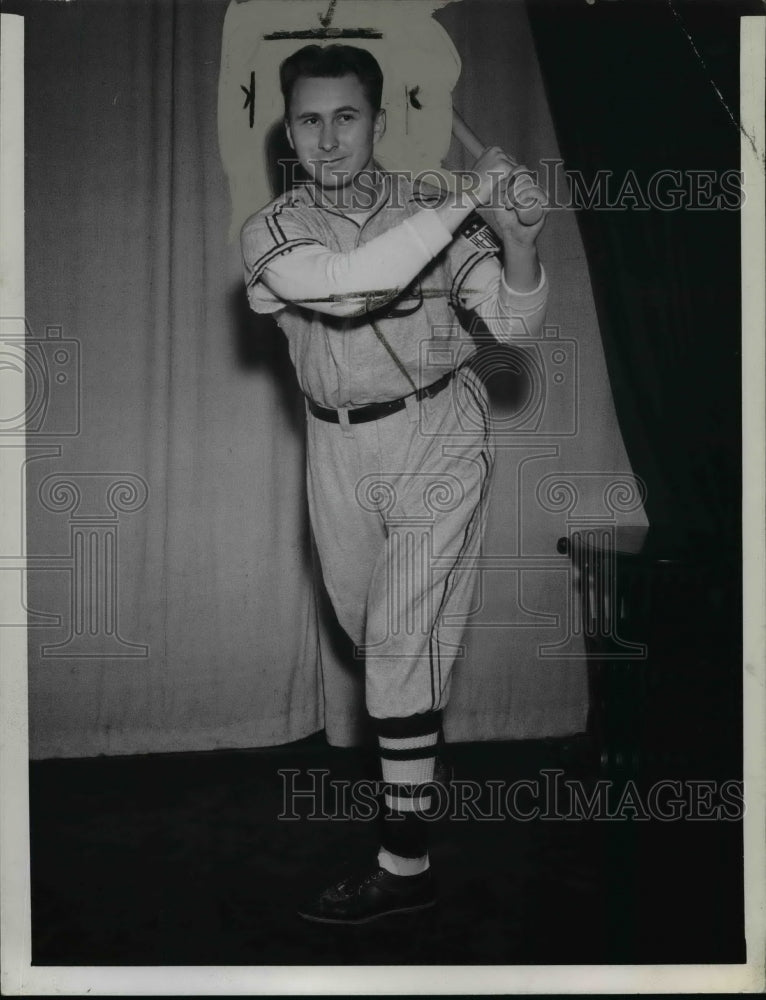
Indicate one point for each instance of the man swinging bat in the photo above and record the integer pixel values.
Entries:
(365, 271)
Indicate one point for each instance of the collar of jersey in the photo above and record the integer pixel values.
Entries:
(314, 194)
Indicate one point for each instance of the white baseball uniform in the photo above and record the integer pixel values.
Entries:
(373, 310)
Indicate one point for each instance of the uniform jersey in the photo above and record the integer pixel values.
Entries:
(372, 309)
(399, 338)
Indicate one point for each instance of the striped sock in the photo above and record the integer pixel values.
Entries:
(407, 750)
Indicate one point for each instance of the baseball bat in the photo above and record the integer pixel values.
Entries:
(528, 214)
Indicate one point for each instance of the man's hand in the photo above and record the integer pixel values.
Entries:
(486, 194)
(490, 173)
(504, 219)
(521, 267)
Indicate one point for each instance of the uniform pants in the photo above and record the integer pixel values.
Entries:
(397, 508)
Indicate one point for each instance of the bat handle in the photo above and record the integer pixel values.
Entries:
(466, 137)
(528, 215)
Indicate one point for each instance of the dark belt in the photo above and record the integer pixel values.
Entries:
(361, 414)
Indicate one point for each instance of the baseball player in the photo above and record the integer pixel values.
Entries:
(376, 280)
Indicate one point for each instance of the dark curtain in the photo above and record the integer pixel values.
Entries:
(635, 89)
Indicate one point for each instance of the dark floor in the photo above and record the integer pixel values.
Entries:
(180, 859)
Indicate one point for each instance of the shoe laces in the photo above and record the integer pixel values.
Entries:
(371, 877)
(354, 883)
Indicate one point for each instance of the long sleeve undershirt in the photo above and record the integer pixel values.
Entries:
(349, 284)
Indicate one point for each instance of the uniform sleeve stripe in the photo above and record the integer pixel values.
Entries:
(284, 247)
(275, 219)
(270, 225)
(276, 231)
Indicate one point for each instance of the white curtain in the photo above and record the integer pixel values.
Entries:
(171, 591)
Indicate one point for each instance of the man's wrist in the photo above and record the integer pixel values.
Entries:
(528, 296)
(512, 245)
(522, 271)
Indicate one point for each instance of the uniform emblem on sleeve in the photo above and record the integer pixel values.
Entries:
(477, 231)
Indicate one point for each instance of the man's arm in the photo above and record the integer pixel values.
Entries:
(349, 284)
(508, 313)
(510, 300)
(521, 265)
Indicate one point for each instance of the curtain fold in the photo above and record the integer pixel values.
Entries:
(168, 538)
(128, 253)
(648, 95)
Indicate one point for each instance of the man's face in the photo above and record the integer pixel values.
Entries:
(332, 128)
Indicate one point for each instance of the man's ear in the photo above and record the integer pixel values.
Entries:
(289, 135)
(379, 129)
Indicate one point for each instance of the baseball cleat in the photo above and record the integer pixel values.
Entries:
(359, 899)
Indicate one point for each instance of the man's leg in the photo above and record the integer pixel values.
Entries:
(420, 600)
(349, 536)
(433, 484)
(407, 748)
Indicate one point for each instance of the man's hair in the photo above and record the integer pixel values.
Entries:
(332, 61)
